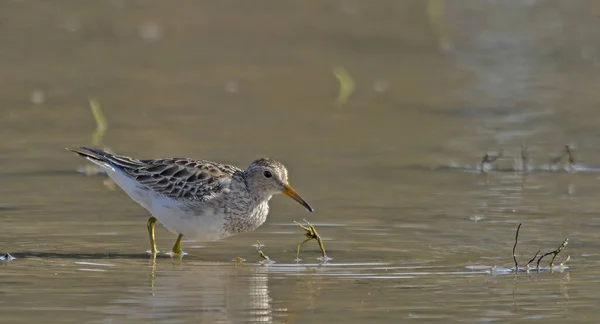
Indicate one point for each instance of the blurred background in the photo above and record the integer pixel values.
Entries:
(381, 111)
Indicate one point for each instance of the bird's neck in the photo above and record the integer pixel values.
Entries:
(255, 210)
(258, 197)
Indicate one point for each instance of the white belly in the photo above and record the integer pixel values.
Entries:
(204, 225)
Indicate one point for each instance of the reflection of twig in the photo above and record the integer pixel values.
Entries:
(555, 252)
(311, 234)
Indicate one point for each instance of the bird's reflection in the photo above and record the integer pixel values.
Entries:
(207, 292)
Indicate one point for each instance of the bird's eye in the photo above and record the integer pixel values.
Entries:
(267, 174)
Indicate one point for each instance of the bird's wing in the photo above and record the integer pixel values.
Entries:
(178, 178)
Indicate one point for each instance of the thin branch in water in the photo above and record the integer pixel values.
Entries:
(532, 259)
(514, 254)
(560, 248)
(555, 253)
(515, 247)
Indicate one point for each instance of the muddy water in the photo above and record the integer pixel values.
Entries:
(413, 229)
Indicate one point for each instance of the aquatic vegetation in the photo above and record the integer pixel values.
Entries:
(97, 137)
(239, 260)
(435, 12)
(311, 234)
(554, 253)
(266, 259)
(101, 124)
(346, 84)
(537, 268)
(522, 164)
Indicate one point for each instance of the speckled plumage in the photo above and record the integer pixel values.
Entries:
(199, 199)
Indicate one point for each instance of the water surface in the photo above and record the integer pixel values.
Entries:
(411, 224)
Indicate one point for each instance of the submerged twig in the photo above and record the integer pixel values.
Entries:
(555, 253)
(311, 234)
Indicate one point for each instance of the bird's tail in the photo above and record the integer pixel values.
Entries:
(117, 163)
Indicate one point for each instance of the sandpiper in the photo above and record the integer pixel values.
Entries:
(198, 199)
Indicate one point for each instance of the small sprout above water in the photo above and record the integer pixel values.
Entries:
(346, 84)
(7, 257)
(311, 234)
(97, 137)
(101, 124)
(239, 260)
(266, 259)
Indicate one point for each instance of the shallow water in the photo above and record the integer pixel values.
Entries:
(415, 230)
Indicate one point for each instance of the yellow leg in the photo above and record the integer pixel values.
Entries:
(177, 247)
(151, 222)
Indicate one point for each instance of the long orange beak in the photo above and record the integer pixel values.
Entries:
(290, 192)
